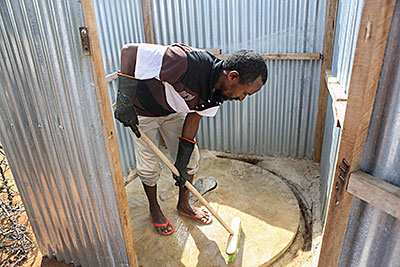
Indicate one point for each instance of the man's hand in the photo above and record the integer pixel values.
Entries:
(125, 111)
(129, 118)
(185, 150)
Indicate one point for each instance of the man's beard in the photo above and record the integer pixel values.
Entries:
(223, 90)
(224, 97)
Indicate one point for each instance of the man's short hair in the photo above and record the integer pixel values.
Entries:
(249, 64)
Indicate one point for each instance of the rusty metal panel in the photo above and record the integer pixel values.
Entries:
(51, 131)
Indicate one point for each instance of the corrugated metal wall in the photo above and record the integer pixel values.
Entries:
(119, 22)
(281, 118)
(373, 236)
(329, 153)
(51, 130)
(347, 24)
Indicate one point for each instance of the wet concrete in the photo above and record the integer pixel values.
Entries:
(267, 207)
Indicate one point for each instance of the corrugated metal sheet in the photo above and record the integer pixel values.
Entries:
(280, 119)
(51, 131)
(330, 147)
(119, 22)
(373, 237)
(347, 24)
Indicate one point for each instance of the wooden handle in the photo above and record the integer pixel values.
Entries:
(205, 203)
(188, 185)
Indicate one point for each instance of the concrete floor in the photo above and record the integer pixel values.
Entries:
(266, 204)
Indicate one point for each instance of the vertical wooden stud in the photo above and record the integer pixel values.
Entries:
(371, 43)
(107, 121)
(330, 26)
(148, 21)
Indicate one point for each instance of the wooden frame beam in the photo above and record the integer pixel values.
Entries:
(339, 98)
(148, 21)
(107, 121)
(371, 43)
(376, 192)
(330, 26)
(334, 87)
(284, 56)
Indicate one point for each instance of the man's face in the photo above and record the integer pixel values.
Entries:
(233, 90)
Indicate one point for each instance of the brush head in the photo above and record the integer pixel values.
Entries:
(233, 241)
(231, 258)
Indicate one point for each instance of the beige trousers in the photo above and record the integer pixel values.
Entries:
(147, 163)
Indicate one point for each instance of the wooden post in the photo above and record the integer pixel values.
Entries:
(330, 26)
(107, 121)
(371, 43)
(148, 21)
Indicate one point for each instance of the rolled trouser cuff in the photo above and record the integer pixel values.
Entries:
(149, 181)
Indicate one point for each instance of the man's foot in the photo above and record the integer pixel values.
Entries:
(200, 215)
(161, 224)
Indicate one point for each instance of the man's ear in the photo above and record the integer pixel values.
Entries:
(233, 75)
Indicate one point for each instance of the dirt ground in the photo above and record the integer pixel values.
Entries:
(301, 176)
(34, 257)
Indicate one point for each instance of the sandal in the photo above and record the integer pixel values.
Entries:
(199, 218)
(163, 225)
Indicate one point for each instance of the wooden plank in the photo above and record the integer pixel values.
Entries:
(330, 78)
(337, 92)
(286, 56)
(376, 192)
(370, 49)
(330, 25)
(107, 121)
(335, 89)
(214, 51)
(148, 21)
(111, 77)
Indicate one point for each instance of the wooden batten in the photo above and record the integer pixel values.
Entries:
(330, 26)
(334, 87)
(371, 43)
(376, 192)
(285, 56)
(148, 21)
(339, 97)
(107, 122)
(214, 51)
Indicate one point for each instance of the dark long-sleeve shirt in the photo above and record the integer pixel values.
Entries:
(175, 78)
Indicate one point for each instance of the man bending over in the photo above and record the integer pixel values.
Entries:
(170, 88)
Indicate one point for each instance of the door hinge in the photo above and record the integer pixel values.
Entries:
(344, 169)
(85, 41)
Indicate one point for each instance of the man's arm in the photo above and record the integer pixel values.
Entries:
(128, 60)
(191, 125)
(127, 85)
